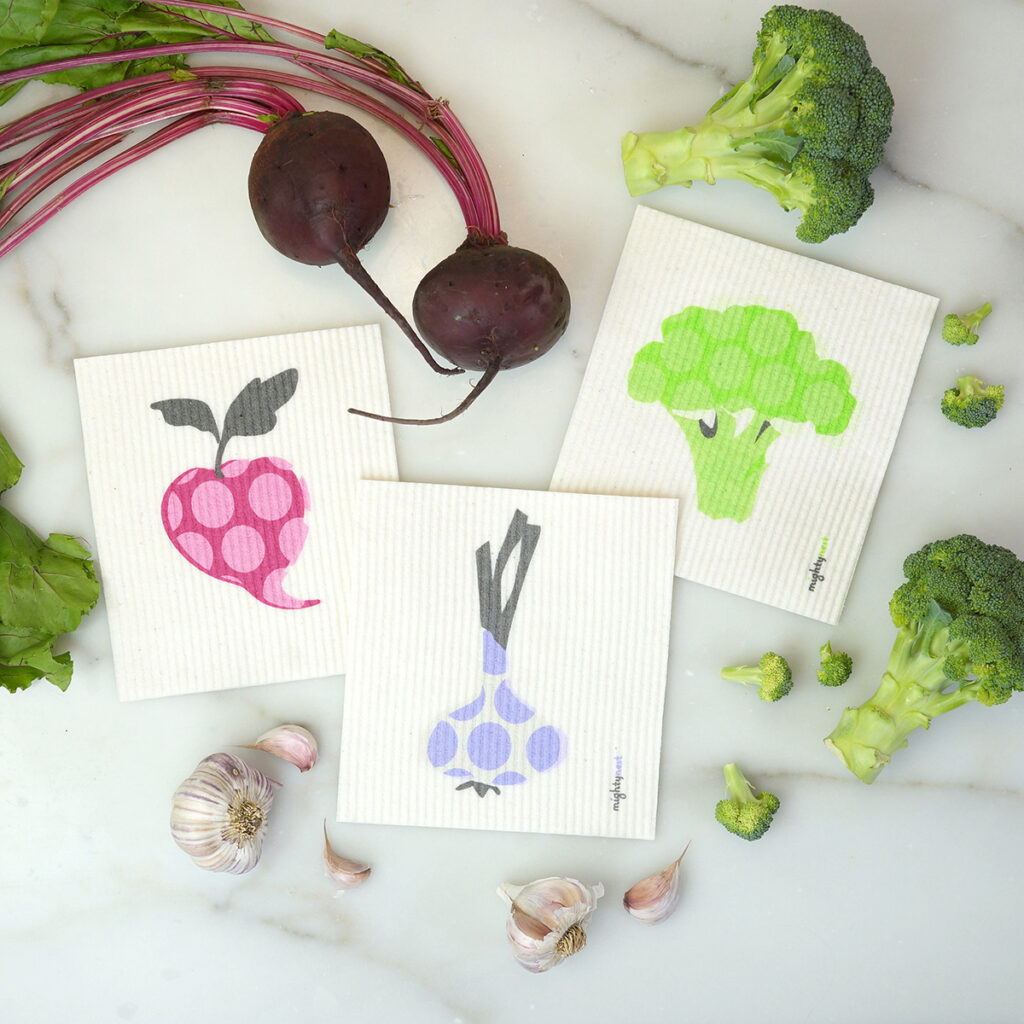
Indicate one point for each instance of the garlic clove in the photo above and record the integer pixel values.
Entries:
(344, 873)
(653, 899)
(219, 814)
(547, 919)
(291, 743)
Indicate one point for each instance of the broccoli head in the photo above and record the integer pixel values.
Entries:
(715, 364)
(961, 330)
(960, 637)
(771, 675)
(742, 812)
(809, 126)
(836, 666)
(972, 403)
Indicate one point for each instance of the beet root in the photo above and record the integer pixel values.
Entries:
(319, 188)
(488, 307)
(491, 301)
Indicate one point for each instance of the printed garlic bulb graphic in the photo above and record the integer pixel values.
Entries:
(497, 740)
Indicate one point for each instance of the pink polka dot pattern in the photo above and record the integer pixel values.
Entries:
(236, 467)
(212, 504)
(246, 528)
(270, 496)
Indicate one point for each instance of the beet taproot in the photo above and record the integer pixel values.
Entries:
(319, 189)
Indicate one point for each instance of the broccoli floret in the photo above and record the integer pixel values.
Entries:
(742, 812)
(836, 666)
(961, 330)
(809, 126)
(960, 637)
(771, 676)
(972, 403)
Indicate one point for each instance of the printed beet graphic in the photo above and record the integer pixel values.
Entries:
(241, 521)
(496, 739)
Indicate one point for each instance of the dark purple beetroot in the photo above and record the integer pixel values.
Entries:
(319, 188)
(489, 306)
(491, 302)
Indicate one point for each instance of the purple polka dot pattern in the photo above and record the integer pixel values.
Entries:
(246, 528)
(488, 746)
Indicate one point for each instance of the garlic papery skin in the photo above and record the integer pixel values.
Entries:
(654, 899)
(219, 814)
(291, 743)
(547, 919)
(344, 873)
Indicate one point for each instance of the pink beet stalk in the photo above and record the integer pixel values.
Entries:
(252, 97)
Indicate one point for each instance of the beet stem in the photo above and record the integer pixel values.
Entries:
(349, 262)
(488, 375)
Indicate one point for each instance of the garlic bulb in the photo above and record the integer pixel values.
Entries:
(291, 743)
(219, 814)
(344, 873)
(547, 918)
(653, 899)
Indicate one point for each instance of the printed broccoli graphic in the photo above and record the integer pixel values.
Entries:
(713, 365)
(808, 126)
(972, 403)
(962, 330)
(771, 675)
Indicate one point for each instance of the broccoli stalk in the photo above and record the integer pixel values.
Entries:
(713, 364)
(972, 403)
(809, 125)
(771, 675)
(960, 330)
(742, 812)
(960, 638)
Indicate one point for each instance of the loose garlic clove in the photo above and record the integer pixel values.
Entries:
(655, 898)
(291, 743)
(547, 919)
(344, 873)
(219, 814)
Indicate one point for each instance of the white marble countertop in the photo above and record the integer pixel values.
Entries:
(896, 902)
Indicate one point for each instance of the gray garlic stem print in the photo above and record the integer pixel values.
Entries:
(496, 740)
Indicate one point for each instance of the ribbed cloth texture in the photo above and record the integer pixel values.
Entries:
(818, 492)
(587, 652)
(174, 629)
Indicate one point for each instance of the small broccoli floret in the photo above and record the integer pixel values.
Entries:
(809, 126)
(771, 676)
(972, 403)
(742, 812)
(836, 666)
(961, 330)
(960, 638)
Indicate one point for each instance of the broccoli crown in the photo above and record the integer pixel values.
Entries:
(809, 125)
(742, 812)
(960, 637)
(969, 595)
(836, 666)
(959, 329)
(972, 403)
(772, 676)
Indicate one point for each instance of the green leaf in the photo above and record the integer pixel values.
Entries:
(776, 144)
(82, 27)
(171, 24)
(446, 150)
(27, 655)
(23, 22)
(336, 40)
(10, 465)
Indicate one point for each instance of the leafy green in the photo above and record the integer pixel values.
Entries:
(37, 31)
(45, 589)
(336, 40)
